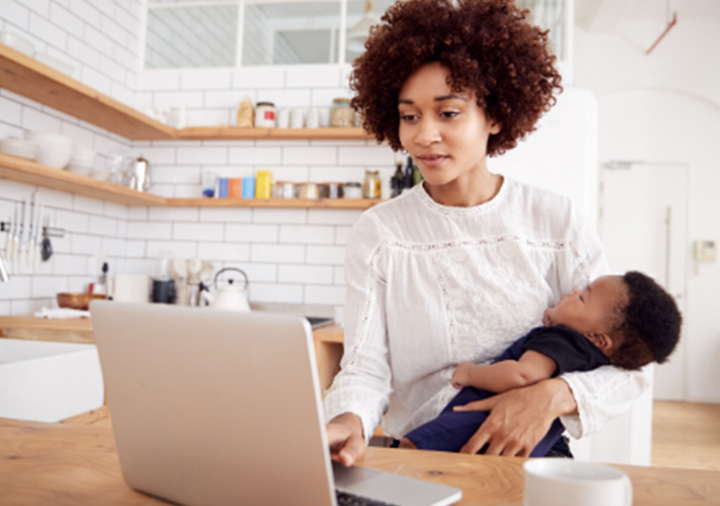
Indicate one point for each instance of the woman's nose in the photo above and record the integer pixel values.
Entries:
(427, 133)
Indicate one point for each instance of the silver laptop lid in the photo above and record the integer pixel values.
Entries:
(186, 386)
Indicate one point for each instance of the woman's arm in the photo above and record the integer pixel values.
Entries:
(362, 387)
(502, 376)
(520, 418)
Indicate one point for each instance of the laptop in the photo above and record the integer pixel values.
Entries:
(214, 407)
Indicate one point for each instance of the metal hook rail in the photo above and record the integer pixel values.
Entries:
(7, 226)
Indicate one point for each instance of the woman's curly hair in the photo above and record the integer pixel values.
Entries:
(488, 47)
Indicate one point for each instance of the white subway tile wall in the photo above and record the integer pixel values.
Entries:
(290, 255)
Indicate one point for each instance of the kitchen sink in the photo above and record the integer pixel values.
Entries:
(48, 381)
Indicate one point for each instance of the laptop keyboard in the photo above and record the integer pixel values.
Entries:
(348, 499)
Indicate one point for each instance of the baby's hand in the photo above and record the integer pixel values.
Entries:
(461, 375)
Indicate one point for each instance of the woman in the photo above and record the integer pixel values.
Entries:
(454, 269)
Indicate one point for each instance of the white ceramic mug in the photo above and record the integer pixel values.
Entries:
(566, 482)
(297, 118)
(129, 287)
(283, 118)
(312, 119)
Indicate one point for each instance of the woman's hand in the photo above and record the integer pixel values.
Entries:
(346, 439)
(519, 418)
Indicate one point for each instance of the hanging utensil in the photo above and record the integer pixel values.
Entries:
(24, 237)
(37, 239)
(10, 242)
(46, 247)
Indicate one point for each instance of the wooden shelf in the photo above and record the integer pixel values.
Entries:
(29, 172)
(284, 134)
(277, 203)
(27, 77)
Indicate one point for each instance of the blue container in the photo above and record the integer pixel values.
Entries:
(248, 188)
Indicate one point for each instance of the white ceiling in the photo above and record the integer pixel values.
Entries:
(605, 14)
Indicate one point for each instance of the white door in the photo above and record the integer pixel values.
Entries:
(642, 223)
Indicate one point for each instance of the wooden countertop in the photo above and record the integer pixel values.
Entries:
(77, 464)
(329, 334)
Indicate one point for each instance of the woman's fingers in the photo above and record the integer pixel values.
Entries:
(345, 439)
(517, 419)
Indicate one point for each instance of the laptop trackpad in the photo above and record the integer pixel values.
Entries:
(392, 488)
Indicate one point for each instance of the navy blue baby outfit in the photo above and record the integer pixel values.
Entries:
(450, 430)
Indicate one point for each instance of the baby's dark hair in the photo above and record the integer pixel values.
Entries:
(488, 47)
(649, 326)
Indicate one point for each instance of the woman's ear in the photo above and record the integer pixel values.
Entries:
(601, 340)
(495, 127)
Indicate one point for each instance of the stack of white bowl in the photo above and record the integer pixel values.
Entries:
(19, 147)
(55, 151)
(82, 161)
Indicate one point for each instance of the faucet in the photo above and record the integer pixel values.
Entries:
(4, 277)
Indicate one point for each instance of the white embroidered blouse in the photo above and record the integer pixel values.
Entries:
(430, 286)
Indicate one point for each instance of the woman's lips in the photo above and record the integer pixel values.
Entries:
(432, 160)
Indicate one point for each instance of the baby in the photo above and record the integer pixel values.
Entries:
(627, 321)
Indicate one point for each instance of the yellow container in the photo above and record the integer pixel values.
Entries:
(263, 184)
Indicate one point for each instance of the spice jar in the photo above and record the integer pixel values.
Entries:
(331, 190)
(284, 190)
(263, 184)
(341, 114)
(308, 190)
(352, 190)
(245, 113)
(265, 115)
(372, 186)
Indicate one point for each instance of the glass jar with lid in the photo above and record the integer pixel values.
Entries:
(372, 188)
(341, 114)
(265, 115)
(352, 190)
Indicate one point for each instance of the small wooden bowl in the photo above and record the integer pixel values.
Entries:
(77, 300)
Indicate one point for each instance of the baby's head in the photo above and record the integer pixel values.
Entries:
(631, 318)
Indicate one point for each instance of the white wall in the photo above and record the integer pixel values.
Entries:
(665, 107)
(290, 256)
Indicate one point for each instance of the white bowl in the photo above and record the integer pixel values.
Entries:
(80, 169)
(18, 147)
(16, 42)
(30, 155)
(87, 160)
(102, 175)
(55, 158)
(19, 143)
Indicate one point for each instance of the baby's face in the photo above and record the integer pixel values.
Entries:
(590, 310)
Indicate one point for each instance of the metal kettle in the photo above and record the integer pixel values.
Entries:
(230, 296)
(140, 175)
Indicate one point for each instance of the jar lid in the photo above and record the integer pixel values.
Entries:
(265, 103)
(353, 184)
(371, 172)
(341, 101)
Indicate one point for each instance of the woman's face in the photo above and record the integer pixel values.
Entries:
(444, 131)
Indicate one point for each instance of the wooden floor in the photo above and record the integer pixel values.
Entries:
(685, 434)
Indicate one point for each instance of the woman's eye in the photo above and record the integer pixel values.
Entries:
(407, 117)
(449, 114)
